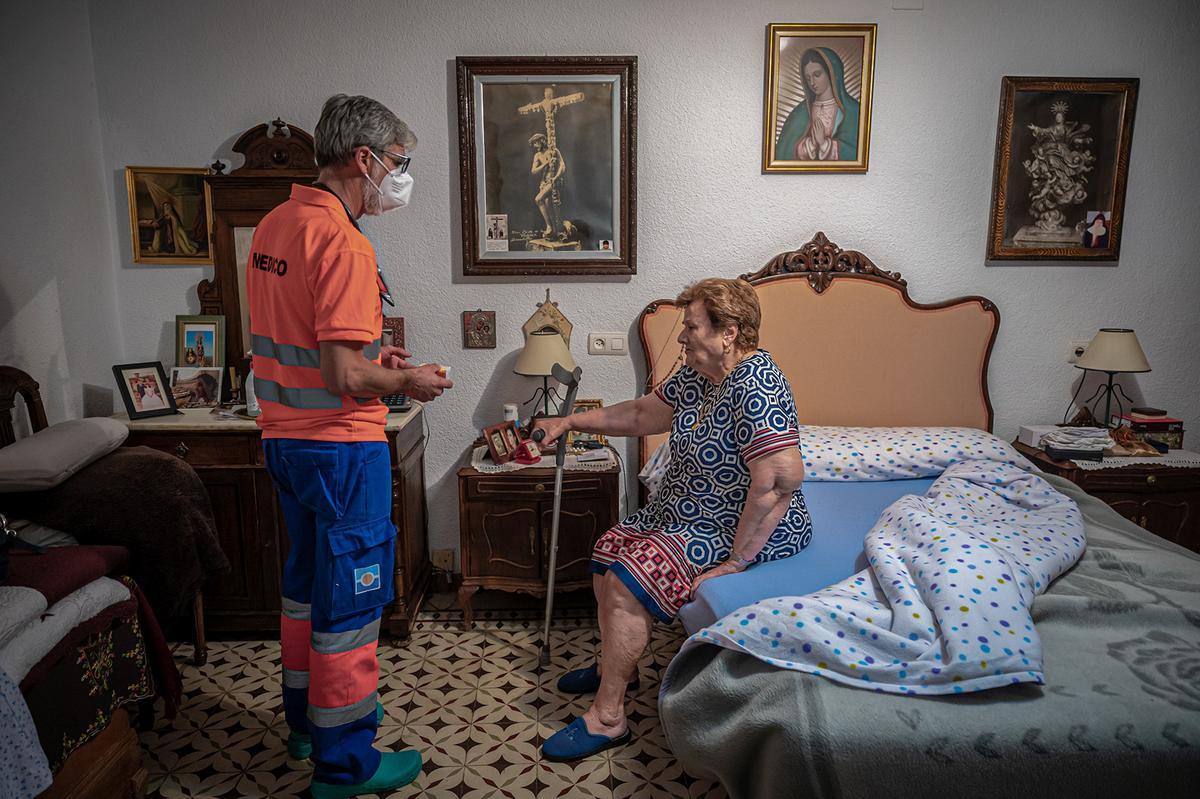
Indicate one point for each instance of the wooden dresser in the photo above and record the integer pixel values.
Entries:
(1163, 499)
(228, 456)
(505, 522)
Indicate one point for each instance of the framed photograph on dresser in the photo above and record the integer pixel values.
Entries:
(144, 389)
(548, 164)
(200, 341)
(1062, 162)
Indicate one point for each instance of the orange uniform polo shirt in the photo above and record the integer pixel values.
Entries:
(312, 278)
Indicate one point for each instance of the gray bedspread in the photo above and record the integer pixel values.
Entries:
(1119, 714)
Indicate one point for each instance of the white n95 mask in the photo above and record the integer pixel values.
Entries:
(394, 191)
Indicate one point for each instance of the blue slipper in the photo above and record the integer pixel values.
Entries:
(299, 744)
(574, 742)
(586, 681)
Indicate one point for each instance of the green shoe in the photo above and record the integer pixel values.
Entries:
(396, 769)
(299, 744)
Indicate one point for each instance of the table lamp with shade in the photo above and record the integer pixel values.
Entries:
(1112, 350)
(543, 348)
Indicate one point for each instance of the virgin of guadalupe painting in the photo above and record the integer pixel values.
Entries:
(818, 98)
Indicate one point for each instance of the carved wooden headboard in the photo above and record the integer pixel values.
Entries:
(854, 346)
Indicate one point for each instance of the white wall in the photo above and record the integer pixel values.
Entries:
(59, 316)
(177, 82)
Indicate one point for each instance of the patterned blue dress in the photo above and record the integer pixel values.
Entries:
(689, 526)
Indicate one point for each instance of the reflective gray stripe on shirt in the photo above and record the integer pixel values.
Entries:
(332, 643)
(286, 354)
(308, 357)
(296, 610)
(306, 398)
(336, 716)
(294, 679)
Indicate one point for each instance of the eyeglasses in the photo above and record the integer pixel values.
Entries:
(401, 161)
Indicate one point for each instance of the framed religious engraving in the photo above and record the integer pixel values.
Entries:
(1062, 161)
(169, 215)
(817, 104)
(548, 165)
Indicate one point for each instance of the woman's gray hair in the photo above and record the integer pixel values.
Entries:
(349, 122)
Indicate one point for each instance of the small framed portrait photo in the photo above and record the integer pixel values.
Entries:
(576, 438)
(144, 389)
(196, 388)
(501, 441)
(199, 341)
(817, 109)
(169, 215)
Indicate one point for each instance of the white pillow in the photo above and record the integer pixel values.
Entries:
(895, 453)
(50, 456)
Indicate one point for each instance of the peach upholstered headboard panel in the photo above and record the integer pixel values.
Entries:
(855, 348)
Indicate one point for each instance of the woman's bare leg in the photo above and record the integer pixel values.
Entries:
(625, 632)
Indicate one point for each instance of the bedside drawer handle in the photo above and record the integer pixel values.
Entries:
(1151, 479)
(540, 487)
(182, 449)
(532, 542)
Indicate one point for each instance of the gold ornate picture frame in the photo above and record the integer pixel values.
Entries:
(170, 215)
(817, 97)
(1062, 163)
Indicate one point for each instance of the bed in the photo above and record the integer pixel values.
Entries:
(1116, 707)
(80, 648)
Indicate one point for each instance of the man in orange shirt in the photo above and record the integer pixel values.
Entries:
(315, 296)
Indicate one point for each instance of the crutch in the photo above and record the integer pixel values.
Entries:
(571, 381)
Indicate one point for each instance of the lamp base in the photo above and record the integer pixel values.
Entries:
(545, 392)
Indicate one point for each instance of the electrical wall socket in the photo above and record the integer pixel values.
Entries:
(607, 344)
(443, 559)
(1075, 349)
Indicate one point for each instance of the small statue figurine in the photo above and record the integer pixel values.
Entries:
(1058, 172)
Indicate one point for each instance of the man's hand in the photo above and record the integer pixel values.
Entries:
(394, 357)
(424, 383)
(554, 426)
(728, 567)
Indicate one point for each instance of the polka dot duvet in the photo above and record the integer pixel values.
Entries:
(944, 606)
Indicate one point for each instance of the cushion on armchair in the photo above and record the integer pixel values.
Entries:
(48, 457)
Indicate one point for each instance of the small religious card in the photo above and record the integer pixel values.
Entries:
(479, 330)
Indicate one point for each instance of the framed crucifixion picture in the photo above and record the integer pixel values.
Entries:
(548, 164)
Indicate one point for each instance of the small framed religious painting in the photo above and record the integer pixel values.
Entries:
(169, 215)
(199, 341)
(479, 330)
(576, 437)
(1062, 161)
(144, 389)
(548, 164)
(817, 108)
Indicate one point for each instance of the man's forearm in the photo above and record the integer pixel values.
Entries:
(367, 379)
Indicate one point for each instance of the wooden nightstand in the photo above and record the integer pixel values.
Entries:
(505, 522)
(1163, 499)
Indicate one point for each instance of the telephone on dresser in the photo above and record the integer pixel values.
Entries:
(396, 403)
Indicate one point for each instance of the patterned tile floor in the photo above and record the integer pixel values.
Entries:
(476, 704)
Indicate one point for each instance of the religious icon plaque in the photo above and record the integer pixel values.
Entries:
(548, 163)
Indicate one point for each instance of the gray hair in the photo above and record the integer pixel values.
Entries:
(348, 122)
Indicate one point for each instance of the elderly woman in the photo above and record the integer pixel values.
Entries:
(731, 496)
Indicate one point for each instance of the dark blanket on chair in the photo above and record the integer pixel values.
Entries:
(147, 501)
